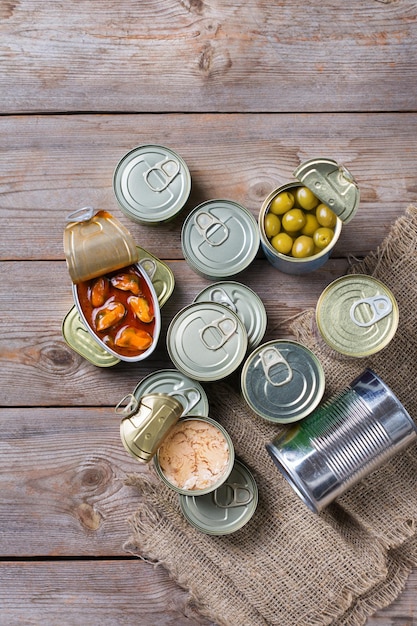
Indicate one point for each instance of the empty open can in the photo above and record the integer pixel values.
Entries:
(343, 440)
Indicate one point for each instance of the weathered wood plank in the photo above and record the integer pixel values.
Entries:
(39, 369)
(200, 56)
(52, 165)
(92, 592)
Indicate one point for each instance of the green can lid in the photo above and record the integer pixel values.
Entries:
(357, 315)
(226, 509)
(173, 383)
(282, 381)
(333, 184)
(206, 341)
(244, 302)
(151, 183)
(79, 339)
(219, 239)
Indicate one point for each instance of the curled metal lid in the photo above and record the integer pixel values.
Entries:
(357, 315)
(146, 422)
(333, 184)
(96, 243)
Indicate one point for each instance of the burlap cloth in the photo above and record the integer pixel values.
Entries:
(289, 566)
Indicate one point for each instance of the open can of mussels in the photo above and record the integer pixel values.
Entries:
(343, 440)
(322, 183)
(114, 296)
(194, 456)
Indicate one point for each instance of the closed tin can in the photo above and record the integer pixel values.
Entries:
(174, 383)
(151, 183)
(282, 381)
(219, 239)
(244, 302)
(343, 441)
(206, 341)
(357, 315)
(332, 185)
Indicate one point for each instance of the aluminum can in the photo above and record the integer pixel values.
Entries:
(282, 381)
(219, 239)
(151, 183)
(334, 186)
(357, 315)
(342, 441)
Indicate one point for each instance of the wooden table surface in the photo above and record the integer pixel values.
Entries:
(244, 92)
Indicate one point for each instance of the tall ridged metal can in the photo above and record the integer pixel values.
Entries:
(343, 440)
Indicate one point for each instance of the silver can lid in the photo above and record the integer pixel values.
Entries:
(219, 239)
(206, 341)
(357, 315)
(173, 383)
(226, 509)
(151, 183)
(244, 302)
(282, 381)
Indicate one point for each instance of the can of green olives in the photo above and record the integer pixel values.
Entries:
(300, 222)
(342, 441)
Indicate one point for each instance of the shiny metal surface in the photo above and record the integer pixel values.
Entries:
(343, 441)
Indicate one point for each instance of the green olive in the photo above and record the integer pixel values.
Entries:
(303, 247)
(311, 225)
(272, 225)
(325, 216)
(293, 220)
(283, 202)
(282, 243)
(322, 237)
(305, 198)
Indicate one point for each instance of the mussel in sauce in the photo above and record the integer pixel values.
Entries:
(126, 282)
(109, 315)
(99, 291)
(141, 308)
(133, 338)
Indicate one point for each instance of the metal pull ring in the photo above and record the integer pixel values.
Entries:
(271, 357)
(81, 215)
(380, 307)
(236, 495)
(167, 170)
(149, 266)
(205, 222)
(226, 326)
(127, 406)
(219, 295)
(188, 397)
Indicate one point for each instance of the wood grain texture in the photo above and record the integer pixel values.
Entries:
(192, 55)
(244, 92)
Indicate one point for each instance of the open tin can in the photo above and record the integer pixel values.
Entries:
(333, 186)
(114, 296)
(343, 440)
(194, 456)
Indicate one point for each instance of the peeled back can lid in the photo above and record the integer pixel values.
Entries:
(282, 381)
(206, 341)
(219, 239)
(357, 315)
(96, 243)
(151, 183)
(333, 184)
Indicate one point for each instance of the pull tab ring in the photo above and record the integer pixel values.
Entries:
(165, 171)
(236, 499)
(226, 327)
(149, 266)
(205, 222)
(270, 357)
(81, 215)
(380, 306)
(219, 295)
(131, 406)
(189, 397)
